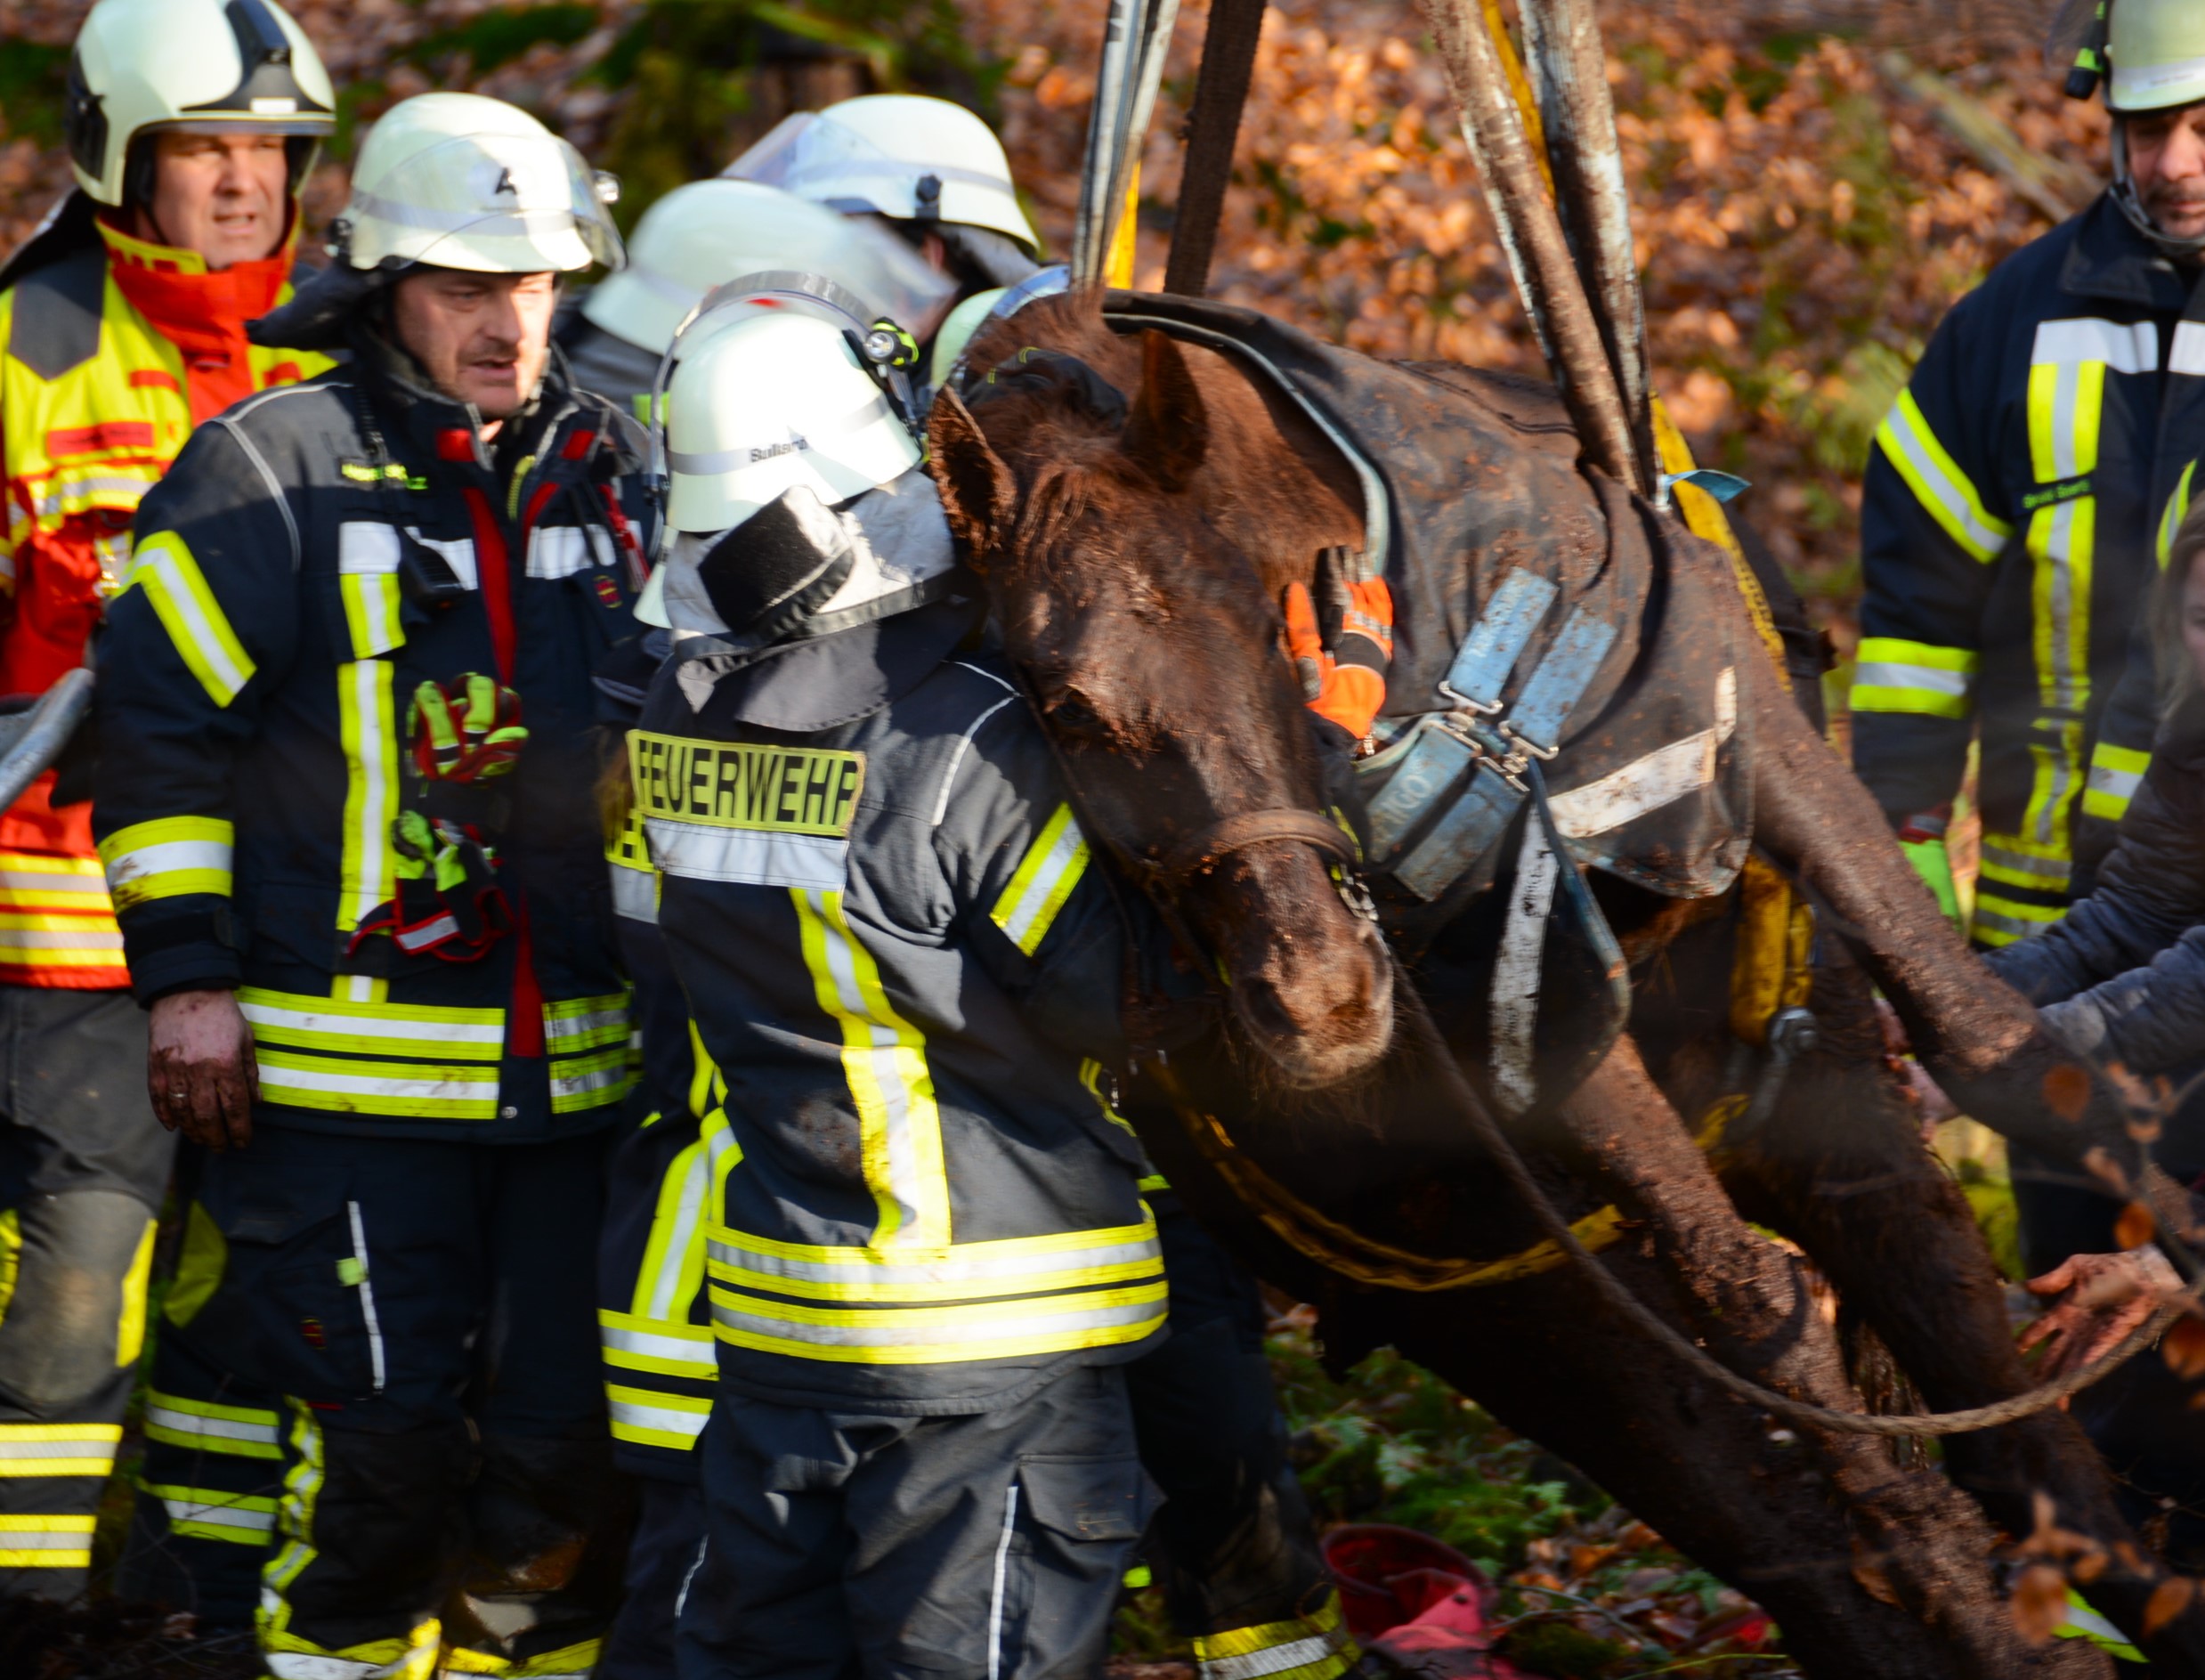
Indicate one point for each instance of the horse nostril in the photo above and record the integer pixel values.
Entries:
(1264, 1008)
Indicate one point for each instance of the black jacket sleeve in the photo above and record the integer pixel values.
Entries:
(204, 628)
(1932, 522)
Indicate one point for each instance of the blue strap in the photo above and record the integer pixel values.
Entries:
(1489, 652)
(1561, 679)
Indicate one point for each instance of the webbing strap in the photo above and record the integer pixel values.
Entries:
(1561, 678)
(1489, 653)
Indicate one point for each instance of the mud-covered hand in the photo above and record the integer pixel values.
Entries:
(2102, 1297)
(200, 1069)
(1345, 684)
(466, 730)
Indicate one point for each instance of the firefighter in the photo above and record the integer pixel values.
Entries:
(190, 126)
(708, 233)
(930, 169)
(2017, 504)
(895, 993)
(344, 791)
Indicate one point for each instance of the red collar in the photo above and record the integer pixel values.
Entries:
(202, 312)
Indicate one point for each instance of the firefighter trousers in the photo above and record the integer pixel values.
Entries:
(414, 1322)
(84, 1166)
(986, 1547)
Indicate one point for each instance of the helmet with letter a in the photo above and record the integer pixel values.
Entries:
(141, 66)
(796, 502)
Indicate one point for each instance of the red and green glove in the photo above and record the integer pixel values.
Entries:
(466, 730)
(1346, 684)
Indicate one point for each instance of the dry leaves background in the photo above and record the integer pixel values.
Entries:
(1803, 222)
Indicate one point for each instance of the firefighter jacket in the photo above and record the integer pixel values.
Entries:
(317, 554)
(905, 975)
(109, 355)
(2009, 519)
(2125, 967)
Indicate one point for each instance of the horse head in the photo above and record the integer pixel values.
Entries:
(1151, 640)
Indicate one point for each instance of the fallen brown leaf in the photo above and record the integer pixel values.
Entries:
(2168, 1601)
(2067, 1089)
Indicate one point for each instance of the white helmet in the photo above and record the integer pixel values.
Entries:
(193, 66)
(769, 400)
(899, 155)
(459, 180)
(2157, 51)
(703, 235)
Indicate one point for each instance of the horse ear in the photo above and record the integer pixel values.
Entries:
(1169, 428)
(977, 493)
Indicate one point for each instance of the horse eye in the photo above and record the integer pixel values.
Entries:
(1069, 711)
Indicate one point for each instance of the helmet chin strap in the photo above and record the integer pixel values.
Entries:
(2131, 203)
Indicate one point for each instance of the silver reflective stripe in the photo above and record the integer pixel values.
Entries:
(922, 1332)
(2052, 873)
(2119, 784)
(213, 1511)
(692, 1347)
(634, 893)
(2124, 347)
(949, 1272)
(750, 858)
(566, 1033)
(580, 1084)
(219, 1428)
(80, 1446)
(1277, 1659)
(41, 1540)
(672, 1421)
(1885, 674)
(367, 1296)
(564, 551)
(1665, 774)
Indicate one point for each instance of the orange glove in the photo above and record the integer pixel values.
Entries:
(1347, 686)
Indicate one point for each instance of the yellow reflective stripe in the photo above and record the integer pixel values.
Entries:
(569, 1662)
(368, 874)
(590, 1081)
(371, 612)
(2018, 864)
(163, 858)
(1945, 493)
(673, 1261)
(1891, 674)
(419, 1089)
(883, 1059)
(241, 1432)
(2060, 540)
(163, 567)
(968, 1272)
(130, 1326)
(938, 1335)
(656, 1418)
(2170, 518)
(585, 1023)
(215, 1514)
(2116, 772)
(1090, 1080)
(1313, 1647)
(431, 1031)
(303, 1480)
(657, 1345)
(46, 1542)
(1043, 881)
(58, 1449)
(706, 1073)
(2001, 920)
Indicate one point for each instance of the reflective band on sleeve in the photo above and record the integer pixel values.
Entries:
(2018, 864)
(425, 1031)
(2000, 920)
(239, 1432)
(883, 1058)
(585, 1023)
(416, 1090)
(166, 570)
(58, 1449)
(2116, 772)
(645, 1344)
(1945, 493)
(213, 1514)
(46, 1542)
(1228, 1654)
(1895, 676)
(964, 1272)
(1045, 879)
(167, 857)
(590, 1081)
(656, 1419)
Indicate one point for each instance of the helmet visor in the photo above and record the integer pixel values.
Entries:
(492, 202)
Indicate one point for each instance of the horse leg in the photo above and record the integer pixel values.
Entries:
(1933, 1545)
(1975, 1035)
(1840, 1166)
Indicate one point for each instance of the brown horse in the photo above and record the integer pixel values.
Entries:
(1137, 508)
